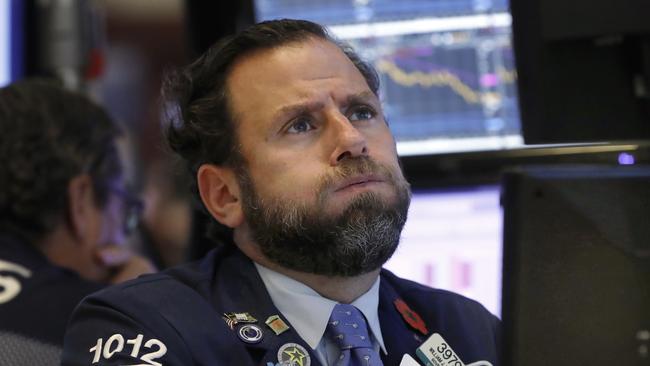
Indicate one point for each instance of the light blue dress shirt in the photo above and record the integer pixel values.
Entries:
(308, 312)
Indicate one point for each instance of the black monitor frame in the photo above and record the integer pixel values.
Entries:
(576, 266)
(486, 167)
(583, 69)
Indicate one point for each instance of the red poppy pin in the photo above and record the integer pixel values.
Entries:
(411, 317)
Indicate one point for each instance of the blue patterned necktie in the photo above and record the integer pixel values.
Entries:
(348, 329)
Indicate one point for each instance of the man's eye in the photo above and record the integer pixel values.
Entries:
(362, 113)
(301, 125)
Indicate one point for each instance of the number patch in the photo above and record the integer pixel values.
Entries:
(9, 285)
(437, 352)
(148, 352)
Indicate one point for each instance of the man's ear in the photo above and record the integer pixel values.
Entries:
(220, 194)
(81, 207)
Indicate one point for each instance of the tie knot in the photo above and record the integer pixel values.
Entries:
(348, 328)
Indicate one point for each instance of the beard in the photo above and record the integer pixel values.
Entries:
(303, 237)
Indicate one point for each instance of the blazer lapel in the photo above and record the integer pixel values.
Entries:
(399, 338)
(287, 345)
(239, 288)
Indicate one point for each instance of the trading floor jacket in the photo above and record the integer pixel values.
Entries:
(185, 316)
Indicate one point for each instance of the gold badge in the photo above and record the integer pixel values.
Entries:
(233, 319)
(241, 317)
(276, 324)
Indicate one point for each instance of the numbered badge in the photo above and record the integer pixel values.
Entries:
(437, 352)
(10, 285)
(149, 351)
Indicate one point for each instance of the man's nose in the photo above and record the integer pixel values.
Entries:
(349, 141)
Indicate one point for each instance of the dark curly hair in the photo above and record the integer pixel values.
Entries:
(200, 123)
(48, 136)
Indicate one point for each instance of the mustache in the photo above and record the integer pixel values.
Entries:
(353, 167)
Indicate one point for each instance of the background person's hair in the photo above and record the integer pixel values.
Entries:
(200, 123)
(48, 136)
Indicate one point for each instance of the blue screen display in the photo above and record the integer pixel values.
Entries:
(447, 71)
(10, 40)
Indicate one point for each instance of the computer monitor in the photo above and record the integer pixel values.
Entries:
(452, 241)
(583, 69)
(576, 266)
(446, 67)
(11, 33)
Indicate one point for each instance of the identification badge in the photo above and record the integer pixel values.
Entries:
(437, 352)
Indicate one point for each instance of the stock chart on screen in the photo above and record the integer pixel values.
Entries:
(446, 67)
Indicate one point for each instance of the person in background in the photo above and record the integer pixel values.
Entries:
(284, 133)
(65, 212)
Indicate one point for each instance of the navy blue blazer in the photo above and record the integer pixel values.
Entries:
(175, 318)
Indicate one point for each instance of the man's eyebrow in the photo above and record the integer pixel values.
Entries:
(297, 108)
(306, 107)
(361, 98)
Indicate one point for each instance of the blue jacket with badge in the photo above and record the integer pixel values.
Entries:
(176, 318)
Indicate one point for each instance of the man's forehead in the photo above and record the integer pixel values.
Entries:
(287, 74)
(278, 63)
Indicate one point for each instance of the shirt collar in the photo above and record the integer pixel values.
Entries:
(308, 312)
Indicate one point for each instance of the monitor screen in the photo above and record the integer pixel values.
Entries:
(5, 43)
(448, 83)
(10, 42)
(452, 240)
(576, 267)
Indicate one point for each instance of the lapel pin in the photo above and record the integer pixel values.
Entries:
(250, 333)
(229, 322)
(241, 317)
(277, 325)
(232, 319)
(411, 317)
(293, 354)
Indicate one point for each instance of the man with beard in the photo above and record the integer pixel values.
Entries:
(283, 131)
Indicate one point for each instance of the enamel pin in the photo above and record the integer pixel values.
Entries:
(250, 333)
(241, 317)
(277, 325)
(293, 354)
(229, 322)
(411, 317)
(233, 319)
